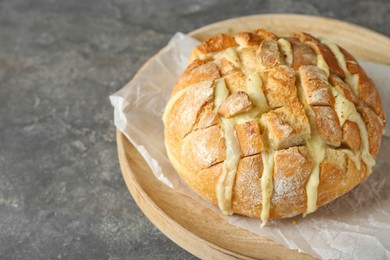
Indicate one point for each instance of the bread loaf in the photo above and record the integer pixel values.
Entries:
(271, 127)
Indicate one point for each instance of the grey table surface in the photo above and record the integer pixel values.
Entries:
(62, 195)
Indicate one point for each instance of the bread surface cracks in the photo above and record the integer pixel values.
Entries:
(272, 59)
(233, 67)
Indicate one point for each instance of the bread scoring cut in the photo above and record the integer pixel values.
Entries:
(271, 127)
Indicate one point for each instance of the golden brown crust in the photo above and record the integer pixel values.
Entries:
(369, 94)
(235, 82)
(338, 175)
(263, 33)
(374, 129)
(203, 148)
(302, 53)
(328, 125)
(348, 93)
(347, 56)
(323, 50)
(280, 88)
(268, 54)
(227, 66)
(287, 126)
(332, 173)
(185, 112)
(196, 72)
(351, 62)
(276, 116)
(236, 103)
(315, 86)
(248, 135)
(217, 43)
(206, 117)
(247, 186)
(249, 59)
(248, 39)
(205, 181)
(351, 135)
(289, 194)
(367, 91)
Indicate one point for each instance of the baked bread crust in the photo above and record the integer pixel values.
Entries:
(272, 127)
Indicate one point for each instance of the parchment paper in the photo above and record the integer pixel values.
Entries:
(355, 226)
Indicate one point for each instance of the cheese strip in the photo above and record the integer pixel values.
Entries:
(321, 63)
(233, 152)
(226, 180)
(316, 149)
(255, 91)
(351, 80)
(286, 49)
(220, 93)
(346, 110)
(266, 185)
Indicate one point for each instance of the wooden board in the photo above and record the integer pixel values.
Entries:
(188, 223)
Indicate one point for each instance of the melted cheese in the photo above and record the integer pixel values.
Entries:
(220, 93)
(316, 148)
(266, 184)
(226, 180)
(351, 80)
(233, 152)
(355, 157)
(337, 53)
(321, 63)
(255, 91)
(230, 54)
(346, 110)
(286, 49)
(343, 107)
(245, 117)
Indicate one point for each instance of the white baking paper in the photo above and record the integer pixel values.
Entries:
(355, 226)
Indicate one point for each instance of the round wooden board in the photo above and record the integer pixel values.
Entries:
(187, 222)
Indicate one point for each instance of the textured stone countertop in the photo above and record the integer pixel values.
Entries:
(61, 191)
